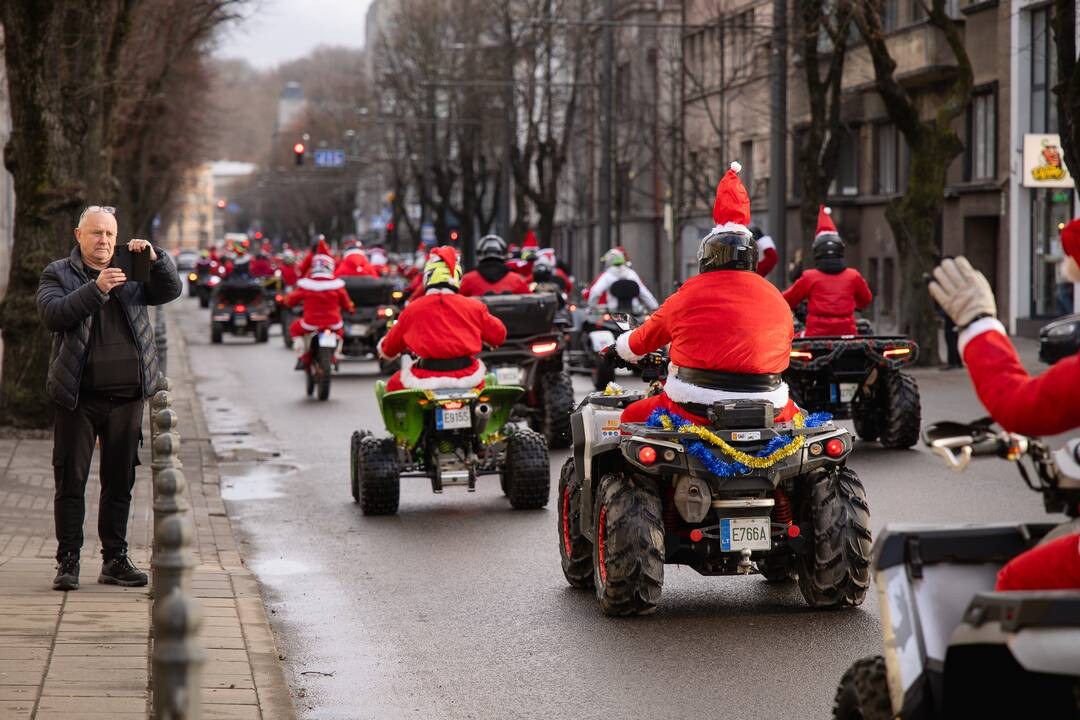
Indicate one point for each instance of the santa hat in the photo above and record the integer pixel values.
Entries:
(731, 211)
(352, 250)
(323, 250)
(530, 241)
(1070, 239)
(824, 222)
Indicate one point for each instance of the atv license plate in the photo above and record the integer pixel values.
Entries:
(239, 321)
(357, 330)
(453, 419)
(846, 391)
(600, 339)
(745, 534)
(508, 375)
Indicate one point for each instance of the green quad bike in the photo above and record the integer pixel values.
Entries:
(451, 437)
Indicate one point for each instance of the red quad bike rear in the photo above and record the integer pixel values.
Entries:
(952, 647)
(634, 497)
(859, 378)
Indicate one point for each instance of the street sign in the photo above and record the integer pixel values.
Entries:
(329, 158)
(427, 234)
(1044, 165)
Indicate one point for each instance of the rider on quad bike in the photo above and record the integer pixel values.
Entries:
(547, 276)
(834, 290)
(1042, 405)
(618, 269)
(354, 264)
(492, 276)
(324, 298)
(522, 264)
(740, 356)
(444, 329)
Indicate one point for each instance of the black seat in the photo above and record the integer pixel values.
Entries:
(624, 291)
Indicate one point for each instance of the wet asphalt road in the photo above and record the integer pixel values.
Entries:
(456, 607)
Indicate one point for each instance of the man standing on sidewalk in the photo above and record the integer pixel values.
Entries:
(102, 366)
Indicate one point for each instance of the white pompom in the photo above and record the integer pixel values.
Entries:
(736, 167)
(828, 211)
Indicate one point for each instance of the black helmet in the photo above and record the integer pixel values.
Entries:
(827, 245)
(728, 251)
(491, 246)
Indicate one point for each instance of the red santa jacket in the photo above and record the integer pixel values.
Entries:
(474, 284)
(354, 265)
(521, 267)
(1022, 404)
(323, 302)
(767, 257)
(288, 275)
(833, 300)
(443, 325)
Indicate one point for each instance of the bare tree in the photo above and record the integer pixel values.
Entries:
(933, 143)
(1063, 22)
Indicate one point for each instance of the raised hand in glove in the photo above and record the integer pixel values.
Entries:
(610, 356)
(962, 292)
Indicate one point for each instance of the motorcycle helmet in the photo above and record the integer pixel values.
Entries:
(827, 242)
(322, 267)
(442, 269)
(730, 245)
(614, 258)
(491, 246)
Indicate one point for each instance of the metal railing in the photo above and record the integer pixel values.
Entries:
(178, 656)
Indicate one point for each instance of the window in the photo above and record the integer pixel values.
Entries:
(1043, 73)
(885, 159)
(746, 158)
(981, 150)
(918, 11)
(742, 39)
(888, 15)
(846, 179)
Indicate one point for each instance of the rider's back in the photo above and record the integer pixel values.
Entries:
(448, 325)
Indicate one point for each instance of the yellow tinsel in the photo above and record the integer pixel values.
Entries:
(750, 461)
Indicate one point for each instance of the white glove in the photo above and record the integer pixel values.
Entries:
(962, 292)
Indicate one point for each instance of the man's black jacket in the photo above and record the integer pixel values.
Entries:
(67, 301)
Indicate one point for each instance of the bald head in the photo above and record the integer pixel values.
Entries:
(96, 235)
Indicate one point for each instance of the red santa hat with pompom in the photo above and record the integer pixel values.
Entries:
(825, 224)
(1070, 239)
(530, 241)
(731, 211)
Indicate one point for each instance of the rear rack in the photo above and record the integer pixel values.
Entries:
(825, 350)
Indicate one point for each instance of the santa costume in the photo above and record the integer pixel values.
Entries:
(833, 290)
(324, 298)
(444, 330)
(730, 330)
(354, 264)
(548, 263)
(767, 256)
(523, 265)
(492, 275)
(618, 269)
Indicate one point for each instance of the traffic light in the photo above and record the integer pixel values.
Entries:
(298, 150)
(454, 236)
(221, 204)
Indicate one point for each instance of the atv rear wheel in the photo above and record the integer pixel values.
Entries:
(526, 470)
(628, 554)
(262, 332)
(354, 462)
(217, 333)
(867, 421)
(901, 410)
(285, 337)
(864, 692)
(836, 570)
(204, 300)
(602, 374)
(379, 476)
(557, 391)
(575, 550)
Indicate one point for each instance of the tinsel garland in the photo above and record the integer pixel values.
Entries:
(775, 450)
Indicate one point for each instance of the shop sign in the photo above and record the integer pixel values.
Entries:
(1044, 163)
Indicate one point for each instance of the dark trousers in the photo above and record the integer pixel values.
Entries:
(118, 424)
(952, 348)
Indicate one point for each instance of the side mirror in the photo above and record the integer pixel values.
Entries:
(625, 321)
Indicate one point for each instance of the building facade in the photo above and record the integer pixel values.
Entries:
(192, 225)
(7, 189)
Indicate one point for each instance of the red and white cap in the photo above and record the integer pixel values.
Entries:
(1070, 243)
(731, 211)
(530, 241)
(825, 224)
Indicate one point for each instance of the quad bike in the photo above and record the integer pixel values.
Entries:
(532, 357)
(209, 277)
(375, 312)
(634, 497)
(322, 348)
(954, 648)
(451, 437)
(595, 328)
(239, 309)
(1059, 339)
(859, 377)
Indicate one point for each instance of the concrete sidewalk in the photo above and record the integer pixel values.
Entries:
(86, 654)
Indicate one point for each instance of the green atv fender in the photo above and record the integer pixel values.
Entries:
(403, 410)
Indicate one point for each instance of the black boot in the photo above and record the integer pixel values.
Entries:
(67, 573)
(120, 571)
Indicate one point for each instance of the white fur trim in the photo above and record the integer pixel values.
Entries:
(622, 346)
(316, 285)
(980, 326)
(379, 350)
(730, 227)
(736, 166)
(322, 256)
(1070, 269)
(439, 382)
(684, 392)
(827, 210)
(316, 328)
(766, 243)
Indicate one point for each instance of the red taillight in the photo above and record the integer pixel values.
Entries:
(696, 535)
(801, 355)
(834, 448)
(607, 317)
(573, 307)
(544, 348)
(646, 455)
(278, 298)
(793, 531)
(896, 352)
(240, 308)
(386, 312)
(453, 405)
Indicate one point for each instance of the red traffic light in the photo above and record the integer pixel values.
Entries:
(454, 235)
(389, 227)
(258, 235)
(221, 204)
(298, 148)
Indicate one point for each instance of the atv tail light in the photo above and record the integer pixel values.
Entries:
(453, 405)
(422, 402)
(220, 305)
(802, 355)
(397, 294)
(386, 312)
(545, 347)
(573, 307)
(214, 280)
(896, 352)
(696, 535)
(278, 298)
(240, 308)
(834, 448)
(646, 455)
(793, 531)
(483, 398)
(192, 277)
(607, 317)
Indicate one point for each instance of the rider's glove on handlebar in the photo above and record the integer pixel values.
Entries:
(962, 292)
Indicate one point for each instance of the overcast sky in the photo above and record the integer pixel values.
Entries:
(280, 30)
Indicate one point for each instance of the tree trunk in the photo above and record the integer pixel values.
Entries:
(1067, 89)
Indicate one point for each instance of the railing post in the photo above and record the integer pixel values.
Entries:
(178, 656)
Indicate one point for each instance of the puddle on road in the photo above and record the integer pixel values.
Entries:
(253, 481)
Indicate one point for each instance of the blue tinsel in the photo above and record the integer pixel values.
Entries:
(723, 468)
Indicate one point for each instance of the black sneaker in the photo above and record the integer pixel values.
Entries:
(120, 571)
(300, 365)
(67, 573)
